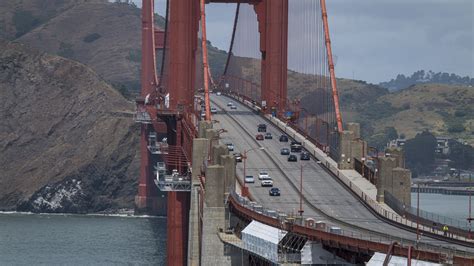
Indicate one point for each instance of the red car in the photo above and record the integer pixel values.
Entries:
(259, 137)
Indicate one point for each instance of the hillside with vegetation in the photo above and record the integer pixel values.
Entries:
(422, 77)
(20, 17)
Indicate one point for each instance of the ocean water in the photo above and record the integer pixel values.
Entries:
(453, 206)
(37, 239)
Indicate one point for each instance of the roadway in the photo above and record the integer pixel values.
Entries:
(324, 197)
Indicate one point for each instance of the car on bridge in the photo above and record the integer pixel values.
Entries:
(249, 179)
(304, 156)
(259, 137)
(296, 146)
(263, 175)
(285, 151)
(238, 157)
(262, 128)
(268, 135)
(266, 183)
(230, 146)
(292, 158)
(274, 191)
(283, 138)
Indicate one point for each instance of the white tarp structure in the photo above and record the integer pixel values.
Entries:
(262, 240)
(378, 259)
(314, 253)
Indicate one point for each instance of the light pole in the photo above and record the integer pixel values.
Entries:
(418, 213)
(245, 191)
(469, 219)
(301, 211)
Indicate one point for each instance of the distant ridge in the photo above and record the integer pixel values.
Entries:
(421, 77)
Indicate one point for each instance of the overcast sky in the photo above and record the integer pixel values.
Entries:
(374, 40)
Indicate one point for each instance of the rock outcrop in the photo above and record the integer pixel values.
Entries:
(66, 143)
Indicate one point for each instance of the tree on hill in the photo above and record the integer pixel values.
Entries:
(461, 155)
(420, 76)
(420, 152)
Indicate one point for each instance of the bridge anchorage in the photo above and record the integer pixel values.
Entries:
(280, 50)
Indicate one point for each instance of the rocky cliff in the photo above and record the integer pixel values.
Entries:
(65, 145)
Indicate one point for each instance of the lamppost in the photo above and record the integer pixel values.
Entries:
(301, 192)
(469, 219)
(301, 211)
(245, 191)
(418, 214)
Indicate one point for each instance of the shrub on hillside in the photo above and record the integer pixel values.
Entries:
(456, 128)
(460, 113)
(135, 56)
(65, 50)
(24, 21)
(92, 37)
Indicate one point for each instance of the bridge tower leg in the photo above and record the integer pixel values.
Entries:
(273, 27)
(183, 28)
(147, 200)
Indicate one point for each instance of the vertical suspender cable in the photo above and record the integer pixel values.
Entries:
(164, 46)
(204, 61)
(331, 66)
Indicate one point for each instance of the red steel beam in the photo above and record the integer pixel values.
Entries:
(147, 200)
(148, 75)
(272, 18)
(206, 72)
(159, 36)
(335, 94)
(183, 28)
(177, 228)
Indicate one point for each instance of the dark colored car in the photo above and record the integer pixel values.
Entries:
(283, 138)
(292, 158)
(268, 135)
(274, 191)
(304, 156)
(262, 128)
(238, 157)
(259, 137)
(285, 151)
(296, 146)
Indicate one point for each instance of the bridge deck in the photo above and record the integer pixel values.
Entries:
(325, 198)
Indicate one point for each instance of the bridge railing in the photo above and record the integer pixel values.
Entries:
(435, 221)
(296, 224)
